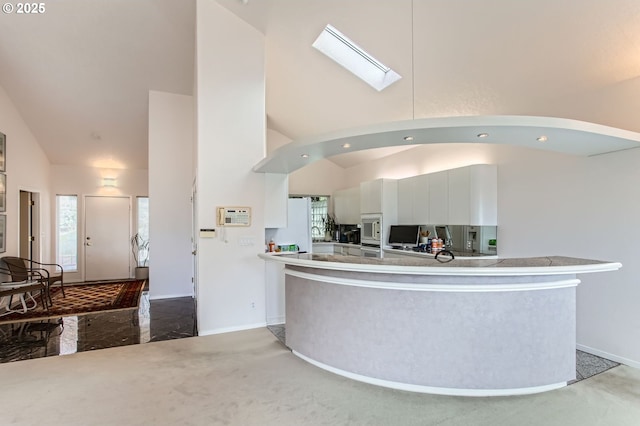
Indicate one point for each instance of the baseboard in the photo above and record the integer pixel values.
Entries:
(231, 329)
(276, 320)
(607, 355)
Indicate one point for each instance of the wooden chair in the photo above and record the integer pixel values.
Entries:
(20, 270)
(24, 288)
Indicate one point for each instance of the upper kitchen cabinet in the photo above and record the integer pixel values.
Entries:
(413, 200)
(463, 196)
(276, 200)
(380, 196)
(346, 206)
(405, 201)
(473, 195)
(439, 197)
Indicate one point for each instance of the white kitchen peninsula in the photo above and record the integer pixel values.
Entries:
(476, 327)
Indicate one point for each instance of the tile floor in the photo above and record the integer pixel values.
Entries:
(154, 320)
(587, 365)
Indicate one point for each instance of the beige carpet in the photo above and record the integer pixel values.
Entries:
(249, 378)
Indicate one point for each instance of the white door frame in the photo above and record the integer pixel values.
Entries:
(194, 239)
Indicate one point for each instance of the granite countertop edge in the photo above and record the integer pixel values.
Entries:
(547, 265)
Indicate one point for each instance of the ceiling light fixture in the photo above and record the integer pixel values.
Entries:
(345, 52)
(483, 135)
(542, 138)
(109, 182)
(346, 145)
(304, 155)
(408, 138)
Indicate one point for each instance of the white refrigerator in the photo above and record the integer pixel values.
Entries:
(298, 232)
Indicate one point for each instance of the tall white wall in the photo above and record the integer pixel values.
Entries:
(555, 204)
(230, 111)
(171, 139)
(83, 181)
(28, 169)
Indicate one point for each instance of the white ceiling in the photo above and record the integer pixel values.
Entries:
(80, 73)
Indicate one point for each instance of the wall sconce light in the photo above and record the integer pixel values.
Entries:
(109, 182)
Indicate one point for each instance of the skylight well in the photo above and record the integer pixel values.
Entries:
(338, 47)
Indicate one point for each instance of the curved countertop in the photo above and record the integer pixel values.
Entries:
(547, 265)
(474, 327)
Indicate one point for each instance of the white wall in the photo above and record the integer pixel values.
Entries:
(28, 169)
(230, 114)
(171, 139)
(555, 204)
(83, 181)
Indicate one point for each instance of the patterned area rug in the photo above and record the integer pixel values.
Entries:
(84, 299)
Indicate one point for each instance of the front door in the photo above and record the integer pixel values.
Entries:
(107, 238)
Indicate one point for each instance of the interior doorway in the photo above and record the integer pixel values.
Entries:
(107, 238)
(29, 242)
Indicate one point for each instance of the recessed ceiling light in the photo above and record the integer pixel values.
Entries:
(346, 145)
(541, 138)
(408, 138)
(345, 52)
(483, 135)
(304, 155)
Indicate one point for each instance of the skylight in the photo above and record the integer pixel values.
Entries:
(338, 47)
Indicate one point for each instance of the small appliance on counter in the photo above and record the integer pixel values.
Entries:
(371, 230)
(349, 234)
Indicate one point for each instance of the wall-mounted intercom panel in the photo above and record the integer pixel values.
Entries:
(234, 216)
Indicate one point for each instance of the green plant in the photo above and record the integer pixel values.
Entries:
(140, 250)
(329, 223)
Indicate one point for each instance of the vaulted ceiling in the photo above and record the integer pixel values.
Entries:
(80, 73)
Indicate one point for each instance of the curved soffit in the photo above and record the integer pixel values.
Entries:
(562, 135)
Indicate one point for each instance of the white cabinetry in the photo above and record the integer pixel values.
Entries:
(379, 196)
(413, 200)
(274, 293)
(459, 198)
(276, 199)
(462, 196)
(405, 201)
(421, 200)
(336, 248)
(390, 255)
(353, 251)
(439, 197)
(473, 195)
(346, 205)
(325, 248)
(371, 196)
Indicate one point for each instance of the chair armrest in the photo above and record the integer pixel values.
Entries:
(57, 265)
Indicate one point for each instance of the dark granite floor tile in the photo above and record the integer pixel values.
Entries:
(154, 320)
(172, 319)
(588, 365)
(278, 330)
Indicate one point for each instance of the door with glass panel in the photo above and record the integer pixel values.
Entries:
(107, 238)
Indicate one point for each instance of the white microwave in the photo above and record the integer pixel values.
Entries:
(371, 229)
